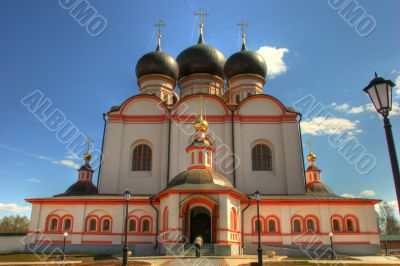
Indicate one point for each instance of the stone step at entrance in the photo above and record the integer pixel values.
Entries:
(206, 250)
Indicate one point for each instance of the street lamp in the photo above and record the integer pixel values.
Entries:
(127, 196)
(65, 238)
(259, 249)
(331, 237)
(380, 92)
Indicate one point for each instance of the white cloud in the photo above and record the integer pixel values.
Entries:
(368, 193)
(71, 156)
(274, 58)
(12, 207)
(348, 195)
(320, 125)
(397, 88)
(341, 107)
(33, 180)
(67, 163)
(369, 107)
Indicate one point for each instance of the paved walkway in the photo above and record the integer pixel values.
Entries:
(238, 260)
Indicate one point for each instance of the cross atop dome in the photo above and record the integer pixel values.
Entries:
(243, 25)
(201, 14)
(159, 25)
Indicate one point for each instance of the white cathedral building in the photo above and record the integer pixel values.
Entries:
(192, 158)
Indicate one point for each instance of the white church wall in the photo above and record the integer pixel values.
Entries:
(120, 140)
(367, 233)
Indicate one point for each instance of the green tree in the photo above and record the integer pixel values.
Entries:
(387, 221)
(14, 224)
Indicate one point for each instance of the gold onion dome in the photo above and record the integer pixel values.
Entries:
(311, 157)
(87, 156)
(201, 124)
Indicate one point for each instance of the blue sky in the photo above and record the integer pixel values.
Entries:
(309, 47)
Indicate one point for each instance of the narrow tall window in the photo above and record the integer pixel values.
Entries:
(53, 224)
(132, 225)
(261, 157)
(350, 225)
(106, 225)
(146, 225)
(272, 226)
(141, 158)
(297, 226)
(67, 223)
(237, 98)
(256, 226)
(310, 225)
(92, 225)
(336, 225)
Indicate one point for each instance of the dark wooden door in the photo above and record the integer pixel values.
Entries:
(201, 225)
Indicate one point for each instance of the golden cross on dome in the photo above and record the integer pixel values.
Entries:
(309, 143)
(243, 25)
(201, 14)
(159, 25)
(89, 143)
(201, 105)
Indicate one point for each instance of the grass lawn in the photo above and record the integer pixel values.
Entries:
(49, 257)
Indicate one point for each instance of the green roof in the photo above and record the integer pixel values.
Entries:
(389, 237)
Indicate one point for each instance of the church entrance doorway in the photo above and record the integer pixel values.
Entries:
(200, 224)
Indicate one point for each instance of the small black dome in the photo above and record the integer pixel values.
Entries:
(201, 58)
(157, 62)
(80, 189)
(245, 62)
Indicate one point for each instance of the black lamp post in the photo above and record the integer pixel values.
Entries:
(331, 237)
(127, 196)
(259, 249)
(380, 92)
(65, 235)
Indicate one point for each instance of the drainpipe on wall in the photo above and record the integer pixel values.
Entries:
(233, 150)
(157, 218)
(242, 222)
(302, 156)
(102, 147)
(169, 144)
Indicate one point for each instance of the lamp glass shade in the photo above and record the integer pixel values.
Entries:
(257, 195)
(127, 195)
(330, 234)
(65, 234)
(380, 92)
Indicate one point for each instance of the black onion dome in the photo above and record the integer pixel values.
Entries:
(245, 62)
(157, 62)
(80, 189)
(201, 58)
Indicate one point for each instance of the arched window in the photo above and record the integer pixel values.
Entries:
(145, 225)
(310, 223)
(233, 217)
(67, 225)
(255, 230)
(92, 225)
(141, 158)
(297, 228)
(261, 158)
(53, 224)
(272, 226)
(350, 225)
(336, 225)
(165, 218)
(106, 225)
(132, 226)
